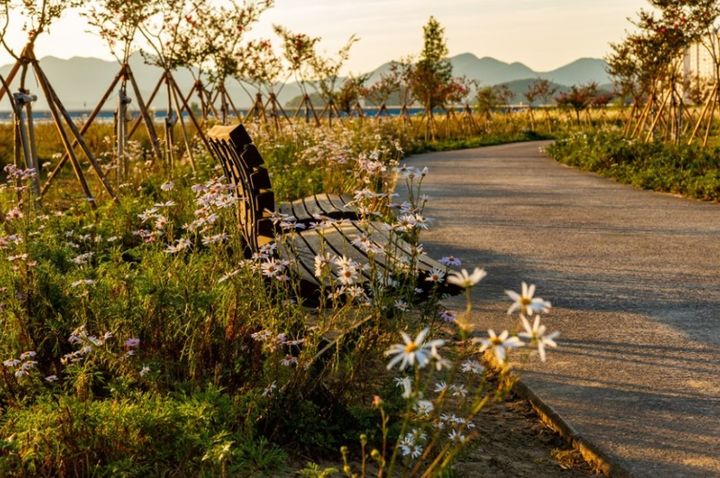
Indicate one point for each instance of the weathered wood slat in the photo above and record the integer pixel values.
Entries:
(309, 286)
(334, 205)
(338, 202)
(385, 230)
(304, 257)
(309, 209)
(338, 242)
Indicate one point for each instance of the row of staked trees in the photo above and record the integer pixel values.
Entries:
(648, 67)
(210, 39)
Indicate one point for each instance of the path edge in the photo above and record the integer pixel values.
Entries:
(593, 455)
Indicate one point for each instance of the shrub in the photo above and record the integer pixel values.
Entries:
(692, 170)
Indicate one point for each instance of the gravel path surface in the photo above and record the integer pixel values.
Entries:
(634, 278)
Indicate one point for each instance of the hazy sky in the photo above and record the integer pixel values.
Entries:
(543, 34)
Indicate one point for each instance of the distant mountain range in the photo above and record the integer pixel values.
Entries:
(81, 82)
(492, 72)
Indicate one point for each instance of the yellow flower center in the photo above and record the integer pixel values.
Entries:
(496, 341)
(411, 347)
(525, 301)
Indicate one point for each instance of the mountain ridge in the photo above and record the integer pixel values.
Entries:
(81, 81)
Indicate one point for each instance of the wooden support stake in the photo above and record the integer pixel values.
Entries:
(643, 116)
(151, 98)
(8, 81)
(54, 100)
(232, 105)
(711, 117)
(145, 116)
(58, 167)
(183, 129)
(24, 138)
(66, 143)
(658, 115)
(193, 120)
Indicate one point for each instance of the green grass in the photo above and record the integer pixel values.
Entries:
(480, 141)
(689, 170)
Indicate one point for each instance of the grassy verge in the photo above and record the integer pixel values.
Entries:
(688, 170)
(479, 141)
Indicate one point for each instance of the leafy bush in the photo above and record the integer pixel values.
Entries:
(689, 170)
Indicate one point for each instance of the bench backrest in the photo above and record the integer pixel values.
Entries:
(245, 169)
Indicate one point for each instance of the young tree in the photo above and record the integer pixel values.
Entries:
(350, 93)
(648, 64)
(118, 22)
(217, 49)
(491, 98)
(430, 78)
(326, 72)
(36, 15)
(538, 89)
(380, 92)
(579, 98)
(260, 66)
(298, 50)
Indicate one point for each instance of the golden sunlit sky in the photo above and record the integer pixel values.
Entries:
(543, 34)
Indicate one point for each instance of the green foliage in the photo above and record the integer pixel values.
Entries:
(490, 98)
(431, 77)
(689, 170)
(136, 356)
(141, 434)
(313, 470)
(434, 53)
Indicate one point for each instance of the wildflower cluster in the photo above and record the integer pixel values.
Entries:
(23, 365)
(176, 312)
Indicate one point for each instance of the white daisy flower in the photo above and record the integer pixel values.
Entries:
(322, 264)
(406, 384)
(435, 275)
(409, 445)
(536, 335)
(525, 302)
(499, 344)
(414, 351)
(456, 436)
(472, 366)
(424, 407)
(464, 279)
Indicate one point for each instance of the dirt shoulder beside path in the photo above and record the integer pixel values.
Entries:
(634, 277)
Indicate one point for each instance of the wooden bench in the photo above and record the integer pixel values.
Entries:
(366, 242)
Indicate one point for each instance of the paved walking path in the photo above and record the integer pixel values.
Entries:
(634, 278)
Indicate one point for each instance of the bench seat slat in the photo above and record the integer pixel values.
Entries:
(339, 242)
(304, 257)
(385, 230)
(339, 202)
(308, 209)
